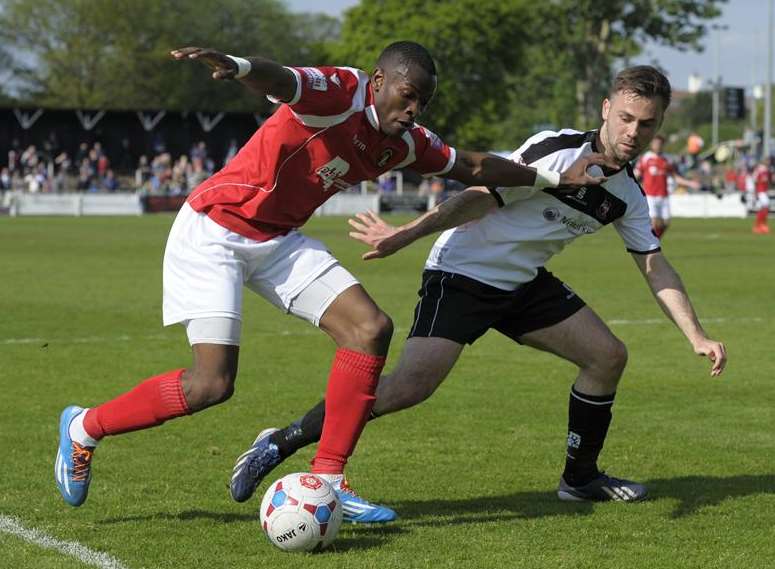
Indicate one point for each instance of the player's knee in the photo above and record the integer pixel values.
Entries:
(608, 363)
(204, 390)
(616, 359)
(375, 331)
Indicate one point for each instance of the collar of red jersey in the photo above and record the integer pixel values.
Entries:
(371, 110)
(371, 114)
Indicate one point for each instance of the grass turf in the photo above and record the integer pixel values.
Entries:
(472, 472)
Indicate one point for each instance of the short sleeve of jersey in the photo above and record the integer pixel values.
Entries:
(433, 157)
(634, 228)
(322, 91)
(556, 162)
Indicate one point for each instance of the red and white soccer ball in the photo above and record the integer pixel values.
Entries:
(301, 512)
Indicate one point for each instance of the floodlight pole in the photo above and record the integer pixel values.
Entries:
(768, 86)
(716, 81)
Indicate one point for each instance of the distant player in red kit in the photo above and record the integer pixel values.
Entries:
(654, 169)
(337, 126)
(761, 177)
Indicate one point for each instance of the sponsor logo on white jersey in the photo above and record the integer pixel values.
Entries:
(332, 171)
(551, 214)
(577, 227)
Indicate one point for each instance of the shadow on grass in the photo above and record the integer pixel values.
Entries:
(187, 516)
(353, 537)
(697, 492)
(693, 493)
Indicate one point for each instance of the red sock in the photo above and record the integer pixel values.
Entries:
(154, 401)
(761, 216)
(350, 395)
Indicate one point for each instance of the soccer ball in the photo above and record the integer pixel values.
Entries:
(301, 512)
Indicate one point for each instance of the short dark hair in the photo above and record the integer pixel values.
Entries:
(409, 53)
(645, 81)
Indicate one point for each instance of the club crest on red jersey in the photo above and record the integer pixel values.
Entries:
(385, 157)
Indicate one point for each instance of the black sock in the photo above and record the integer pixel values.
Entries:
(303, 432)
(588, 419)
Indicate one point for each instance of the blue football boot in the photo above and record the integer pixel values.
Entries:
(359, 511)
(72, 469)
(253, 465)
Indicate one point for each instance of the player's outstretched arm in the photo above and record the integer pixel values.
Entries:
(262, 76)
(483, 169)
(385, 239)
(674, 301)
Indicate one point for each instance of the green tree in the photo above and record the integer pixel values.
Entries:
(509, 67)
(476, 43)
(598, 32)
(115, 53)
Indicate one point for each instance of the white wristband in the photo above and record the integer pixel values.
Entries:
(243, 66)
(546, 178)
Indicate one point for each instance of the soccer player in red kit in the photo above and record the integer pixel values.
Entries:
(761, 177)
(654, 169)
(336, 127)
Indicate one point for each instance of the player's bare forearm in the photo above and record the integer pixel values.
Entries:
(674, 301)
(268, 77)
(670, 294)
(265, 77)
(385, 239)
(468, 205)
(483, 169)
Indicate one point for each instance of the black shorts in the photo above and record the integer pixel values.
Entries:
(461, 309)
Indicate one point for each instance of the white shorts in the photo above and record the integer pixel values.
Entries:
(659, 207)
(762, 200)
(206, 266)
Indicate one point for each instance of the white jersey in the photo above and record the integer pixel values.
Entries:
(506, 247)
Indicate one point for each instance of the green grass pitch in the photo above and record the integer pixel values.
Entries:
(472, 472)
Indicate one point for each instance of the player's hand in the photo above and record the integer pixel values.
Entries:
(577, 176)
(221, 66)
(384, 239)
(715, 352)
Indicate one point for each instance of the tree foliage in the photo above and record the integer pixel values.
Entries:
(507, 67)
(476, 43)
(115, 53)
(597, 33)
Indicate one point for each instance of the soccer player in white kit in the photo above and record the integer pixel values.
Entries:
(488, 273)
(337, 127)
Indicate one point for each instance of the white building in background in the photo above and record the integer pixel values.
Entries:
(695, 83)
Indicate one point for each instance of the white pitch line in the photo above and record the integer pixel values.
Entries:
(314, 332)
(653, 321)
(125, 338)
(72, 548)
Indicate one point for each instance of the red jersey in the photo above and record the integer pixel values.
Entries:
(761, 176)
(654, 170)
(324, 140)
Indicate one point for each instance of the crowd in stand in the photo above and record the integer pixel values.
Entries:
(43, 168)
